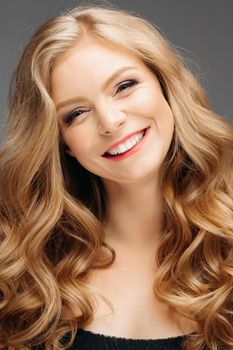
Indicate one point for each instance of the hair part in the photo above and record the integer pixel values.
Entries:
(51, 226)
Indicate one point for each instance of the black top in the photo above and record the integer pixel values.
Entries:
(87, 340)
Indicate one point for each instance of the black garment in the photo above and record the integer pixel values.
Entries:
(87, 340)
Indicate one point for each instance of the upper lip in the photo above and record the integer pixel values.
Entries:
(123, 140)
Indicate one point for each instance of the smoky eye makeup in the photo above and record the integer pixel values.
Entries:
(126, 84)
(71, 116)
(76, 113)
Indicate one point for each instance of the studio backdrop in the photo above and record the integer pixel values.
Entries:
(200, 29)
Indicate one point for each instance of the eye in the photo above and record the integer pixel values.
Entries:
(77, 112)
(73, 115)
(126, 84)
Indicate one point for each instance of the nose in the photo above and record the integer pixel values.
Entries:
(110, 120)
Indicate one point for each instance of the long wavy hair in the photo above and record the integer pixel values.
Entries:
(52, 209)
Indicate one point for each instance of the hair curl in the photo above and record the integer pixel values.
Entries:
(51, 230)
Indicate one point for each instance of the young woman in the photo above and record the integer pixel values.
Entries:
(116, 194)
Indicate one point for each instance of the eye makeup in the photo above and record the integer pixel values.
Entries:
(127, 84)
(76, 113)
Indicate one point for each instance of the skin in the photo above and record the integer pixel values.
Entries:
(135, 198)
(133, 221)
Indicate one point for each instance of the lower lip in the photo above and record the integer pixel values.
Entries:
(130, 151)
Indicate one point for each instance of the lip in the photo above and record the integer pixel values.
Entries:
(124, 139)
(131, 151)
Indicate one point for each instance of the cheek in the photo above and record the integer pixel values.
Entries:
(158, 109)
(152, 104)
(76, 141)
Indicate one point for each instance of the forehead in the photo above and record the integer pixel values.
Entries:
(86, 68)
(90, 55)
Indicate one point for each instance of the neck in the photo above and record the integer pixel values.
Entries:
(134, 213)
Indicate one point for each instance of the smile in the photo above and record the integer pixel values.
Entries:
(129, 147)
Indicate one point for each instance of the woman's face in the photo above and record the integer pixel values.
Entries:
(106, 99)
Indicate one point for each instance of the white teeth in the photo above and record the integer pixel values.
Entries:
(127, 145)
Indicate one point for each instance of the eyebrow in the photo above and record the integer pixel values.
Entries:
(103, 87)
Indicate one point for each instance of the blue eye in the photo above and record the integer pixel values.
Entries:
(126, 84)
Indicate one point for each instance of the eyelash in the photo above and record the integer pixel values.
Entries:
(71, 116)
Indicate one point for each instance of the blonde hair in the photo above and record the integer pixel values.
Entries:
(51, 227)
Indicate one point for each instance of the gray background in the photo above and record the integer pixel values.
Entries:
(201, 30)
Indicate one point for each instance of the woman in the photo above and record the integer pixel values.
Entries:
(116, 194)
